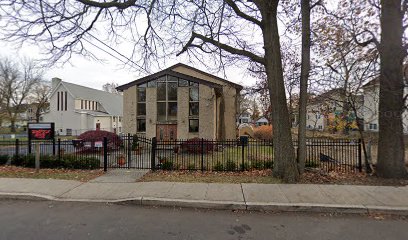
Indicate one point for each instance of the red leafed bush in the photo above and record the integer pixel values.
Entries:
(194, 145)
(263, 132)
(97, 136)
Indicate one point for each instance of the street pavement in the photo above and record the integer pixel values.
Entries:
(73, 220)
(120, 186)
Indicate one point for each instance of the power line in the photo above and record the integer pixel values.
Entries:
(100, 41)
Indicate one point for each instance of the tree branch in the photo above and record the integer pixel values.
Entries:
(222, 46)
(242, 14)
(111, 4)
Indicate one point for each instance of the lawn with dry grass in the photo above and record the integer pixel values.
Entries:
(265, 176)
(261, 176)
(65, 174)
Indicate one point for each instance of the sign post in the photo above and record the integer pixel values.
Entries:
(37, 157)
(39, 131)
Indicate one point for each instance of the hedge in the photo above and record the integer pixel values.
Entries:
(49, 161)
(3, 159)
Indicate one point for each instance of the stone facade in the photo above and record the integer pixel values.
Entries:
(217, 105)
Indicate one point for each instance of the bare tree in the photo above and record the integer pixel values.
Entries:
(381, 25)
(391, 154)
(223, 29)
(17, 81)
(110, 87)
(39, 98)
(304, 78)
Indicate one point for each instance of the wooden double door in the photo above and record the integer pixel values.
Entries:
(166, 132)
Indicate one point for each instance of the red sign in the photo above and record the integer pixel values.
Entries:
(41, 131)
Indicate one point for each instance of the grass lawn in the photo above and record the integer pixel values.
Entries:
(66, 174)
(229, 158)
(263, 176)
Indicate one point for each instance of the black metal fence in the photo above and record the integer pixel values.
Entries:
(240, 155)
(137, 151)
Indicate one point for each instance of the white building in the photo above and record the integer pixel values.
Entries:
(245, 117)
(323, 109)
(262, 121)
(76, 109)
(370, 110)
(320, 107)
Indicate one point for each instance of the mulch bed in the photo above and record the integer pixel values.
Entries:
(66, 174)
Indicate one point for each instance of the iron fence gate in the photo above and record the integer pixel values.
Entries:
(140, 152)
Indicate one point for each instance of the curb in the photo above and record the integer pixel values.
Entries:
(218, 205)
(222, 205)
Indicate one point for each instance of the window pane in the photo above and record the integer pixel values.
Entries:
(193, 94)
(172, 91)
(141, 94)
(193, 84)
(161, 111)
(194, 109)
(142, 85)
(141, 109)
(171, 78)
(161, 91)
(183, 83)
(172, 111)
(141, 125)
(162, 79)
(193, 125)
(152, 83)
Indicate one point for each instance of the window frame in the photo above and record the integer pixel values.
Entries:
(138, 121)
(189, 125)
(140, 102)
(165, 80)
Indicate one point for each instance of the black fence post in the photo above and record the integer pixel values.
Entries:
(29, 145)
(129, 153)
(153, 154)
(360, 166)
(242, 153)
(105, 154)
(202, 154)
(59, 149)
(53, 146)
(17, 147)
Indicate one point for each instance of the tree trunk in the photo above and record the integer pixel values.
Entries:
(285, 165)
(391, 142)
(12, 125)
(304, 77)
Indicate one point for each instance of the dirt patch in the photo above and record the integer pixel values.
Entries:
(265, 176)
(66, 174)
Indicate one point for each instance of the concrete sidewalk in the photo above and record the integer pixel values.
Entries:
(273, 197)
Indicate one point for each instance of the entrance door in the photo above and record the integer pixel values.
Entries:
(98, 126)
(166, 132)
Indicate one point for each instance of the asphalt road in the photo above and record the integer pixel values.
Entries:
(59, 220)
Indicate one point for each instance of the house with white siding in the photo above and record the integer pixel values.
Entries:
(371, 101)
(323, 110)
(76, 109)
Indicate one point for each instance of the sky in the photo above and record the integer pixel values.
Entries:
(94, 74)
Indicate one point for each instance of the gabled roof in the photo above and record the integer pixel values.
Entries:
(262, 119)
(111, 102)
(329, 95)
(171, 72)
